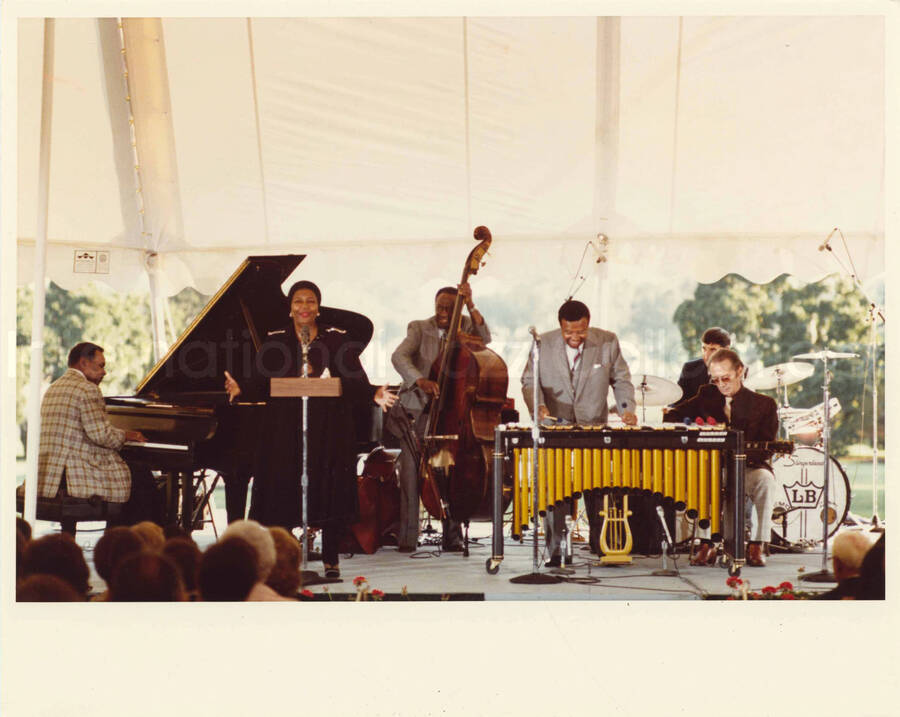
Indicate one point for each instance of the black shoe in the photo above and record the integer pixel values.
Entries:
(455, 548)
(554, 562)
(332, 571)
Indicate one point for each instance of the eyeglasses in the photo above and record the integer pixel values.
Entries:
(722, 380)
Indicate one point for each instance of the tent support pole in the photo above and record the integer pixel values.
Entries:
(157, 306)
(606, 146)
(36, 366)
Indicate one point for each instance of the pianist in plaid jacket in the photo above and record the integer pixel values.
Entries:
(78, 441)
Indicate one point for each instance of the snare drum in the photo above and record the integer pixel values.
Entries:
(800, 479)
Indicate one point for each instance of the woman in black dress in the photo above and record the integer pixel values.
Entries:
(331, 439)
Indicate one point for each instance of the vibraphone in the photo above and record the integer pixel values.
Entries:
(689, 465)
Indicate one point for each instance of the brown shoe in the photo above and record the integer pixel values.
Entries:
(755, 557)
(701, 557)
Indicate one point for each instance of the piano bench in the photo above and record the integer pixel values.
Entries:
(68, 510)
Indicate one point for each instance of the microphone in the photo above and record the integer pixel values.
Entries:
(304, 343)
(662, 519)
(535, 334)
(825, 244)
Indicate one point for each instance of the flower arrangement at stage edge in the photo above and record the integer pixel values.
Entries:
(363, 592)
(740, 590)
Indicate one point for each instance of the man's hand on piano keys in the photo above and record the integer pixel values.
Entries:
(630, 418)
(135, 436)
(231, 387)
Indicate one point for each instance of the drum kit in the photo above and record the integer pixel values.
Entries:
(800, 476)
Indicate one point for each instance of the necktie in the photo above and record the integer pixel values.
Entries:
(575, 363)
(728, 409)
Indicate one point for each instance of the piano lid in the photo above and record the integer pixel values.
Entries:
(226, 333)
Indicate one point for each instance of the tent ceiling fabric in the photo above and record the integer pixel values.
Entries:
(399, 135)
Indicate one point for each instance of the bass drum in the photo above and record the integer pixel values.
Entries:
(800, 481)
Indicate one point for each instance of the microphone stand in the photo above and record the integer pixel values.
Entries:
(875, 312)
(305, 574)
(535, 577)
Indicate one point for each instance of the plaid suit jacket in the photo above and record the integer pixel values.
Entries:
(76, 435)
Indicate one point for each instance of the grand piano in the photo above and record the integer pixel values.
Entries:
(181, 405)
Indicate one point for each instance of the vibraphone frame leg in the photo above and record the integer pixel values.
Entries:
(740, 462)
(492, 565)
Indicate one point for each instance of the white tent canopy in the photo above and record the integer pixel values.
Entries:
(711, 145)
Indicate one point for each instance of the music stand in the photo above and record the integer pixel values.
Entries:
(305, 388)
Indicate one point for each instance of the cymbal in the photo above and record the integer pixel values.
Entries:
(820, 355)
(656, 391)
(783, 373)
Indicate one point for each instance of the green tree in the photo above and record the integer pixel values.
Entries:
(773, 322)
(118, 322)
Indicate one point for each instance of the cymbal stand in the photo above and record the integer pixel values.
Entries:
(781, 391)
(824, 575)
(535, 577)
(643, 389)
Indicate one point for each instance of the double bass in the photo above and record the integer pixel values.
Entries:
(455, 459)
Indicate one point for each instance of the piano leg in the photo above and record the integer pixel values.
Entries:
(171, 498)
(187, 501)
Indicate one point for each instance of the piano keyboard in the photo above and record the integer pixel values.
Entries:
(149, 445)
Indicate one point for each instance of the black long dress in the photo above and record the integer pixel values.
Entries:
(331, 439)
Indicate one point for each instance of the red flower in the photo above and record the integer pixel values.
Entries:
(788, 596)
(377, 594)
(785, 586)
(768, 590)
(359, 580)
(306, 593)
(733, 582)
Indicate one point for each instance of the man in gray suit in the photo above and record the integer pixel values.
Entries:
(578, 365)
(413, 359)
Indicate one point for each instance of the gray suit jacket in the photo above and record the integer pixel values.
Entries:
(415, 355)
(602, 366)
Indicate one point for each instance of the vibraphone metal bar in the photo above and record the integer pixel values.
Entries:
(686, 464)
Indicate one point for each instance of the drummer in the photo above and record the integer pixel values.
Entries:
(728, 401)
(695, 374)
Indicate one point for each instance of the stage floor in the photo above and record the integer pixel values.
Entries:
(433, 575)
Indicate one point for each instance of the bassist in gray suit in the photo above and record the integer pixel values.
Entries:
(413, 359)
(578, 365)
